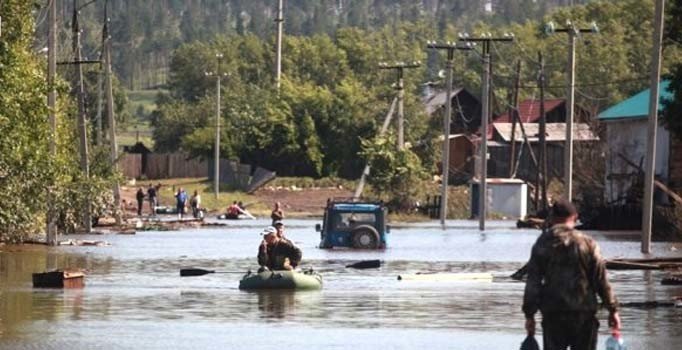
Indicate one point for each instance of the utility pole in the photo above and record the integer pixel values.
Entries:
(650, 166)
(365, 171)
(111, 118)
(449, 48)
(51, 107)
(573, 33)
(486, 40)
(82, 126)
(399, 68)
(541, 187)
(216, 168)
(513, 113)
(280, 25)
(99, 136)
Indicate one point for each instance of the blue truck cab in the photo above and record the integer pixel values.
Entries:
(353, 224)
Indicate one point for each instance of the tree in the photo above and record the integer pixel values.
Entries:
(395, 175)
(672, 113)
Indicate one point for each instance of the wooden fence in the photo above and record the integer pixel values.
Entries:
(174, 165)
(181, 165)
(131, 165)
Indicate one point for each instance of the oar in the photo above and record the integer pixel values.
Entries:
(201, 272)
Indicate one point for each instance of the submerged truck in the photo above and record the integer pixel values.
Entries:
(353, 224)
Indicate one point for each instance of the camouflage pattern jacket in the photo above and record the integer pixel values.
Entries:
(274, 255)
(565, 274)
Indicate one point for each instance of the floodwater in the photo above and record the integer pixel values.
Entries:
(135, 299)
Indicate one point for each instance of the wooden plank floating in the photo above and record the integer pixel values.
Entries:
(59, 279)
(447, 277)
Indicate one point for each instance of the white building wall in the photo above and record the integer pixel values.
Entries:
(629, 138)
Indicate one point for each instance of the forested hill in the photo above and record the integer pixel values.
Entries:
(146, 32)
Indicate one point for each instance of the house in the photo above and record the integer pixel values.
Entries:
(499, 148)
(466, 110)
(500, 138)
(555, 112)
(626, 146)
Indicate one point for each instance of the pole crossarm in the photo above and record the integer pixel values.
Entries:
(79, 62)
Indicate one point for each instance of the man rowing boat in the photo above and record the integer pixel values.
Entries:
(276, 253)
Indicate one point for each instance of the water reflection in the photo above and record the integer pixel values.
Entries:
(276, 304)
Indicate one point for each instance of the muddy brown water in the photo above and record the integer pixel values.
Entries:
(135, 299)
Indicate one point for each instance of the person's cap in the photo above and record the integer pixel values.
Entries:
(268, 230)
(563, 209)
(277, 223)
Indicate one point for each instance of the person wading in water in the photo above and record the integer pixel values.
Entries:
(565, 274)
(277, 213)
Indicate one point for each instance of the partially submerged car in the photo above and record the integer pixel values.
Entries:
(354, 224)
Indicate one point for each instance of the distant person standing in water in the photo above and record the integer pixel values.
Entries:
(195, 203)
(140, 200)
(151, 195)
(181, 202)
(277, 213)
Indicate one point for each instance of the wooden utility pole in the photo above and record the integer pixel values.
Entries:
(541, 185)
(650, 166)
(513, 113)
(82, 125)
(572, 32)
(365, 171)
(99, 136)
(111, 118)
(280, 29)
(216, 155)
(51, 107)
(486, 40)
(449, 48)
(399, 68)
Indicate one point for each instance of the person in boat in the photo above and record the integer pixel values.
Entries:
(279, 226)
(233, 211)
(566, 272)
(275, 253)
(277, 213)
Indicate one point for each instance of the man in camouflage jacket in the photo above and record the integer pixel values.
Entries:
(565, 274)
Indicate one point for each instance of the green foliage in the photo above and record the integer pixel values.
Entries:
(147, 32)
(24, 163)
(30, 175)
(672, 114)
(395, 175)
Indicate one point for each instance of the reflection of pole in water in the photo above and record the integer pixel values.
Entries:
(276, 304)
(650, 323)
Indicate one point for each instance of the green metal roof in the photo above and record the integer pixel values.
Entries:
(636, 106)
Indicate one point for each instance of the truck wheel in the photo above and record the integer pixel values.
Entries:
(365, 237)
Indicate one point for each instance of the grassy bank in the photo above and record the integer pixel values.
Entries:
(205, 189)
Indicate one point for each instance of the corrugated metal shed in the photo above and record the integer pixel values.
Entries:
(556, 132)
(636, 106)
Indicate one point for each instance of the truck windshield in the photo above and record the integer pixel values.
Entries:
(346, 221)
